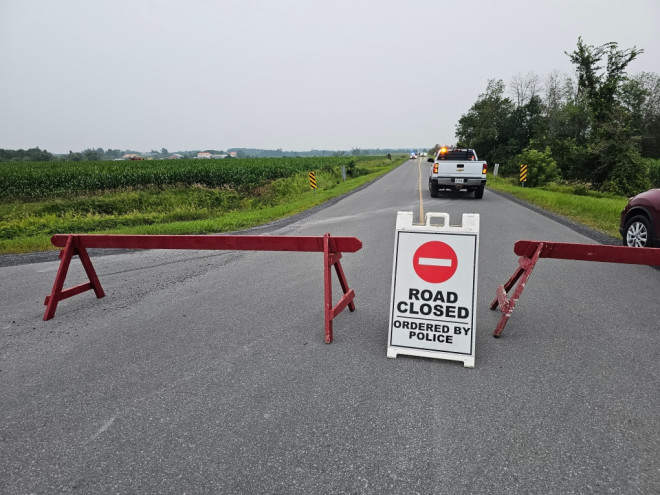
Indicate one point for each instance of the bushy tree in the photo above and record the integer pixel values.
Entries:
(484, 127)
(542, 168)
(640, 97)
(111, 154)
(654, 171)
(601, 87)
(610, 133)
(629, 175)
(73, 157)
(90, 155)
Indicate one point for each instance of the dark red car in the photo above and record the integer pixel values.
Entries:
(640, 220)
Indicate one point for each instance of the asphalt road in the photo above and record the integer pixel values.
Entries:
(207, 372)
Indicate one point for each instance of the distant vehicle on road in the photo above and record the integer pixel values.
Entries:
(640, 220)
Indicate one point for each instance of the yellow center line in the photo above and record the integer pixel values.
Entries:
(421, 200)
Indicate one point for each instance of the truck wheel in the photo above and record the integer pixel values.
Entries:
(433, 190)
(479, 192)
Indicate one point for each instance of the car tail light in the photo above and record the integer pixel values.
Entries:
(435, 168)
(484, 169)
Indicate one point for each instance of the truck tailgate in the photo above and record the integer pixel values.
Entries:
(459, 169)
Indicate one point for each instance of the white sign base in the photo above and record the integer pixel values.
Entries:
(434, 288)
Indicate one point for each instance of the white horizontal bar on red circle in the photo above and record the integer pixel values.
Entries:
(435, 261)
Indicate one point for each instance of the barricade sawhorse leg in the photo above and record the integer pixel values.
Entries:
(531, 251)
(525, 267)
(331, 258)
(331, 247)
(71, 249)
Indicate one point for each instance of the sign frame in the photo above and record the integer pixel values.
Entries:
(464, 241)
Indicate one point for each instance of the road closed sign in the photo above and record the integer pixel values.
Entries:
(434, 288)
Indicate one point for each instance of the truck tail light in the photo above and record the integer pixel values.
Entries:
(484, 169)
(435, 168)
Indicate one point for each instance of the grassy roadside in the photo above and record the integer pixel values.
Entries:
(590, 208)
(26, 226)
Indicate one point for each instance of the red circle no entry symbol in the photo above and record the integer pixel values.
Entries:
(435, 262)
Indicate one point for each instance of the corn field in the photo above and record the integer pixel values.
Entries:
(36, 180)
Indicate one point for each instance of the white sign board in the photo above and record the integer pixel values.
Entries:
(434, 288)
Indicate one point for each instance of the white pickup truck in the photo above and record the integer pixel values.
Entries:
(454, 169)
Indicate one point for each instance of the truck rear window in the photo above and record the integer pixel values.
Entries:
(456, 155)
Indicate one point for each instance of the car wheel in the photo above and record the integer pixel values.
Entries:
(638, 232)
(479, 192)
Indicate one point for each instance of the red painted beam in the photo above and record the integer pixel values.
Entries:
(590, 252)
(343, 302)
(211, 242)
(73, 291)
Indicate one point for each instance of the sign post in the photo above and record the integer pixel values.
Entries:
(523, 174)
(312, 181)
(434, 288)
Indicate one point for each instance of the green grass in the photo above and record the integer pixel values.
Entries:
(26, 224)
(598, 211)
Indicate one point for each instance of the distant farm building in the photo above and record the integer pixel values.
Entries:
(132, 156)
(205, 155)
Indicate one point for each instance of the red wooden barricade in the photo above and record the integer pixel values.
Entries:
(331, 247)
(531, 251)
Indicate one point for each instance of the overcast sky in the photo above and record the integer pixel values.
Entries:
(290, 74)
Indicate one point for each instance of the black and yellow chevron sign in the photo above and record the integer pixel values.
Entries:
(523, 173)
(312, 180)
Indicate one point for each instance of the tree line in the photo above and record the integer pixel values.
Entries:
(99, 154)
(39, 155)
(601, 127)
